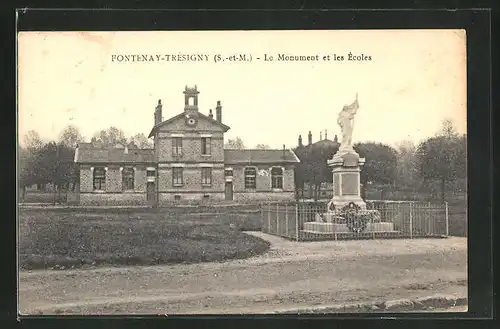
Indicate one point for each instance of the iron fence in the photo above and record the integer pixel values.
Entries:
(381, 219)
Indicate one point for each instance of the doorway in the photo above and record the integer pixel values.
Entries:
(150, 194)
(229, 191)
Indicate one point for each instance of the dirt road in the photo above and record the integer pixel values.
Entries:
(290, 275)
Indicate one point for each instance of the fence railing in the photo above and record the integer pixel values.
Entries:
(381, 219)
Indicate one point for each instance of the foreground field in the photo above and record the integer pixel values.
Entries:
(290, 275)
(64, 239)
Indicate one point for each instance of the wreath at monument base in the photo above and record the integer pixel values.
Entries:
(357, 224)
(355, 221)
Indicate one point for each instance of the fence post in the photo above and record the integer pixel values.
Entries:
(446, 217)
(262, 216)
(297, 222)
(286, 220)
(373, 227)
(411, 220)
(269, 218)
(277, 220)
(431, 223)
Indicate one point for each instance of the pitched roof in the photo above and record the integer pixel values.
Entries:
(86, 153)
(259, 156)
(180, 115)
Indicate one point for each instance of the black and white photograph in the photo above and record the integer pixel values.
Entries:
(242, 172)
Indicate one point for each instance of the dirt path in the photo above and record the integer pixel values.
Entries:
(290, 275)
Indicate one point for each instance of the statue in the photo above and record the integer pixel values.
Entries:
(346, 123)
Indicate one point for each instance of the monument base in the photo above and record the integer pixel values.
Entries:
(338, 203)
(318, 227)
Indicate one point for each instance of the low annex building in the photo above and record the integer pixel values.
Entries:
(187, 163)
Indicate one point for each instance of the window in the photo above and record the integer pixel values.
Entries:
(150, 173)
(128, 179)
(206, 176)
(177, 146)
(177, 197)
(277, 178)
(206, 196)
(250, 175)
(228, 172)
(206, 144)
(99, 179)
(177, 176)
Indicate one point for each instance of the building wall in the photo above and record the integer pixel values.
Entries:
(197, 197)
(112, 199)
(192, 187)
(191, 147)
(245, 197)
(263, 183)
(114, 193)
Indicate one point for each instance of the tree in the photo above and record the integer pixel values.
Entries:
(141, 141)
(235, 144)
(442, 159)
(26, 174)
(108, 138)
(406, 173)
(313, 167)
(53, 163)
(26, 161)
(32, 141)
(448, 129)
(70, 136)
(262, 147)
(380, 164)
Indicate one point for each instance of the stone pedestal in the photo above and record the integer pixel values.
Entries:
(346, 167)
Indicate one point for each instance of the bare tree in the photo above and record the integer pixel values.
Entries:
(71, 136)
(108, 138)
(141, 141)
(235, 144)
(262, 147)
(32, 140)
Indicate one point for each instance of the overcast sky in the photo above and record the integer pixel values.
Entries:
(415, 79)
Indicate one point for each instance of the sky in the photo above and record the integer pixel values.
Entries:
(414, 80)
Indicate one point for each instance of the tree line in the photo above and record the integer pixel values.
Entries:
(436, 164)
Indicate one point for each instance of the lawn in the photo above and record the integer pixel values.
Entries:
(74, 238)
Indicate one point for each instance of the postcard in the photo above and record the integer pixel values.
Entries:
(242, 172)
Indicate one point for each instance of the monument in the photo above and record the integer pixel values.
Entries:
(346, 211)
(346, 164)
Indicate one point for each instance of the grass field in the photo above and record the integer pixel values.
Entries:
(65, 238)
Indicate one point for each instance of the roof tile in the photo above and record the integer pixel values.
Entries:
(88, 154)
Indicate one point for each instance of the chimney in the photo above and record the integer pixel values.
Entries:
(320, 135)
(284, 152)
(335, 139)
(300, 141)
(125, 151)
(158, 117)
(310, 138)
(326, 132)
(218, 112)
(210, 114)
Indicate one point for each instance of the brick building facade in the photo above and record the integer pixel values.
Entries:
(188, 163)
